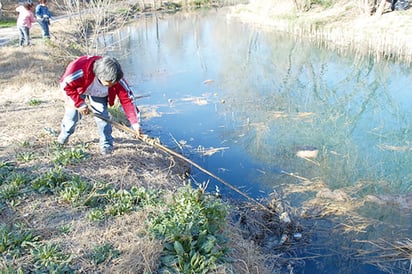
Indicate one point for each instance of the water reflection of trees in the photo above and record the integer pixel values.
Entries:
(351, 105)
(281, 94)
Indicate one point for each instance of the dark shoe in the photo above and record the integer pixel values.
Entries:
(107, 150)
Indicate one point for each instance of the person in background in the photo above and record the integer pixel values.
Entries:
(25, 19)
(43, 17)
(393, 2)
(99, 80)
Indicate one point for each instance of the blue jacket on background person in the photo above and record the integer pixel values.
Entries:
(43, 16)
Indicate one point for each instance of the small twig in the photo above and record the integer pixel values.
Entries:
(294, 175)
(310, 160)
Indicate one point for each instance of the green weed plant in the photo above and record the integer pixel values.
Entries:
(12, 184)
(65, 157)
(48, 258)
(74, 191)
(103, 253)
(124, 201)
(96, 215)
(6, 169)
(9, 192)
(25, 156)
(193, 232)
(14, 239)
(50, 181)
(34, 102)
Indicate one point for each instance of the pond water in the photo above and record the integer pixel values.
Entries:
(242, 102)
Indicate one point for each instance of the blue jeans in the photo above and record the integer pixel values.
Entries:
(24, 35)
(44, 24)
(72, 116)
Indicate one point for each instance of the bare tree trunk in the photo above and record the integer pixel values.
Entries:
(381, 8)
(368, 6)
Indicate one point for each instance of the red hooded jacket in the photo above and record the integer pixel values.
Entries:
(79, 75)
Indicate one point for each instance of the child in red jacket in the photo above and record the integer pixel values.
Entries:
(100, 80)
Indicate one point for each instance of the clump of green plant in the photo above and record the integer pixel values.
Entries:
(107, 201)
(9, 192)
(14, 238)
(120, 202)
(19, 178)
(25, 143)
(96, 215)
(34, 102)
(50, 181)
(64, 157)
(103, 253)
(74, 191)
(11, 183)
(193, 232)
(123, 201)
(25, 156)
(65, 228)
(6, 168)
(48, 258)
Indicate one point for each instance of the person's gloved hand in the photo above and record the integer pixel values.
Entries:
(137, 129)
(84, 110)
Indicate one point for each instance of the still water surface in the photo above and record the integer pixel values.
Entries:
(258, 97)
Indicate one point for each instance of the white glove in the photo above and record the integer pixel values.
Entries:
(137, 129)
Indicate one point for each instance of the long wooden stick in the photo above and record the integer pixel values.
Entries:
(156, 143)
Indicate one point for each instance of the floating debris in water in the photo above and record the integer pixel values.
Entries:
(284, 218)
(261, 171)
(307, 152)
(208, 81)
(297, 236)
(283, 239)
(209, 151)
(335, 195)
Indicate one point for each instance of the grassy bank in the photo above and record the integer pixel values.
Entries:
(70, 209)
(340, 25)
